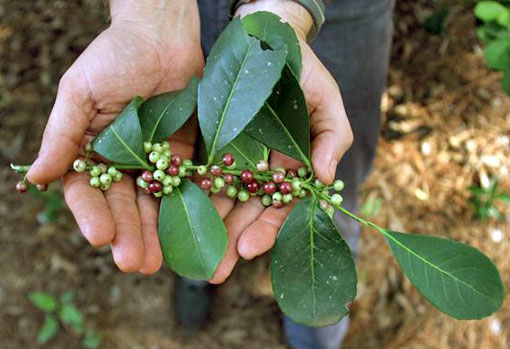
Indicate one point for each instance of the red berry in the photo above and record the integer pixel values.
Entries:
(247, 176)
(216, 171)
(228, 159)
(155, 186)
(173, 170)
(285, 188)
(176, 160)
(278, 177)
(147, 176)
(277, 204)
(21, 187)
(291, 173)
(42, 187)
(206, 184)
(269, 187)
(229, 179)
(253, 187)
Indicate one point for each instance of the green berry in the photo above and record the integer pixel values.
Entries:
(287, 198)
(88, 147)
(165, 145)
(330, 211)
(302, 193)
(95, 182)
(187, 162)
(182, 171)
(243, 195)
(338, 185)
(219, 182)
(158, 194)
(317, 183)
(147, 147)
(296, 184)
(168, 189)
(157, 147)
(162, 164)
(302, 172)
(105, 178)
(102, 167)
(215, 190)
(112, 171)
(95, 171)
(295, 193)
(280, 169)
(175, 181)
(202, 170)
(277, 196)
(167, 180)
(231, 192)
(232, 166)
(337, 199)
(118, 177)
(166, 154)
(141, 183)
(266, 200)
(105, 186)
(79, 165)
(154, 157)
(159, 175)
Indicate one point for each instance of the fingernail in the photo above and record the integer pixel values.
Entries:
(332, 168)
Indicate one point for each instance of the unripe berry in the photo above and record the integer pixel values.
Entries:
(206, 184)
(215, 190)
(95, 171)
(330, 211)
(187, 162)
(105, 186)
(105, 178)
(285, 188)
(155, 186)
(168, 189)
(216, 171)
(338, 185)
(337, 199)
(21, 187)
(162, 164)
(277, 196)
(88, 147)
(287, 198)
(147, 176)
(102, 167)
(231, 192)
(243, 196)
(182, 171)
(317, 183)
(202, 170)
(229, 179)
(247, 176)
(95, 182)
(262, 166)
(173, 170)
(266, 200)
(228, 159)
(158, 194)
(176, 160)
(157, 147)
(324, 205)
(79, 165)
(302, 193)
(189, 173)
(233, 166)
(166, 154)
(302, 172)
(41, 187)
(278, 177)
(176, 181)
(280, 169)
(219, 182)
(141, 183)
(118, 177)
(165, 145)
(147, 147)
(296, 184)
(159, 175)
(253, 187)
(112, 171)
(269, 187)
(154, 157)
(277, 204)
(295, 193)
(291, 173)
(167, 180)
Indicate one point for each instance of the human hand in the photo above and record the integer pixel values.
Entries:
(252, 228)
(150, 47)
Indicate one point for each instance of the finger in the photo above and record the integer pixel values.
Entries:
(243, 214)
(89, 208)
(127, 245)
(66, 126)
(281, 160)
(148, 209)
(260, 236)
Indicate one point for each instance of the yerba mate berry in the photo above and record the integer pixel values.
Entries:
(324, 205)
(291, 173)
(118, 177)
(41, 187)
(154, 156)
(266, 200)
(95, 171)
(158, 194)
(269, 187)
(278, 177)
(112, 171)
(317, 183)
(280, 169)
(219, 182)
(337, 199)
(233, 166)
(330, 211)
(21, 187)
(302, 193)
(187, 162)
(165, 145)
(155, 186)
(168, 189)
(159, 175)
(147, 147)
(246, 176)
(253, 187)
(277, 196)
(243, 196)
(206, 184)
(147, 176)
(285, 188)
(229, 179)
(88, 147)
(302, 172)
(338, 185)
(277, 204)
(182, 171)
(296, 184)
(157, 147)
(231, 192)
(176, 160)
(262, 166)
(173, 170)
(287, 198)
(102, 167)
(215, 190)
(216, 171)
(166, 154)
(105, 178)
(202, 170)
(167, 180)
(162, 164)
(79, 165)
(95, 182)
(105, 186)
(142, 183)
(228, 159)
(176, 181)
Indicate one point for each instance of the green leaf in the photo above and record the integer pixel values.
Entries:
(497, 54)
(504, 18)
(246, 150)
(313, 272)
(164, 114)
(122, 141)
(503, 197)
(192, 235)
(71, 315)
(67, 297)
(43, 300)
(238, 78)
(505, 83)
(48, 330)
(268, 28)
(458, 279)
(92, 340)
(283, 123)
(489, 10)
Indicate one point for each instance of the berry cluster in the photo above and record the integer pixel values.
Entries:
(101, 175)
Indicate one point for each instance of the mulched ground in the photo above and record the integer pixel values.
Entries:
(447, 126)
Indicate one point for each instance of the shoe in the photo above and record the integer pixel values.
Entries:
(192, 304)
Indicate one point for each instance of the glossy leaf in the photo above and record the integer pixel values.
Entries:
(43, 300)
(192, 235)
(122, 141)
(489, 10)
(48, 330)
(246, 150)
(458, 279)
(312, 269)
(283, 123)
(497, 53)
(269, 28)
(238, 78)
(71, 315)
(164, 114)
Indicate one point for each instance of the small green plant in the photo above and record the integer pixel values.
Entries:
(62, 313)
(483, 200)
(495, 34)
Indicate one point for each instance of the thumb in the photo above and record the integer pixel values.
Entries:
(68, 121)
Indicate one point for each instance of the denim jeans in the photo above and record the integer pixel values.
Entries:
(354, 44)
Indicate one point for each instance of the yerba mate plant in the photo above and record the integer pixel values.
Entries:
(249, 103)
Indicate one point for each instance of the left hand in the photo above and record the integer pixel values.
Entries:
(252, 228)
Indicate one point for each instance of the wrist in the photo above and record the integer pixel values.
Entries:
(289, 11)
